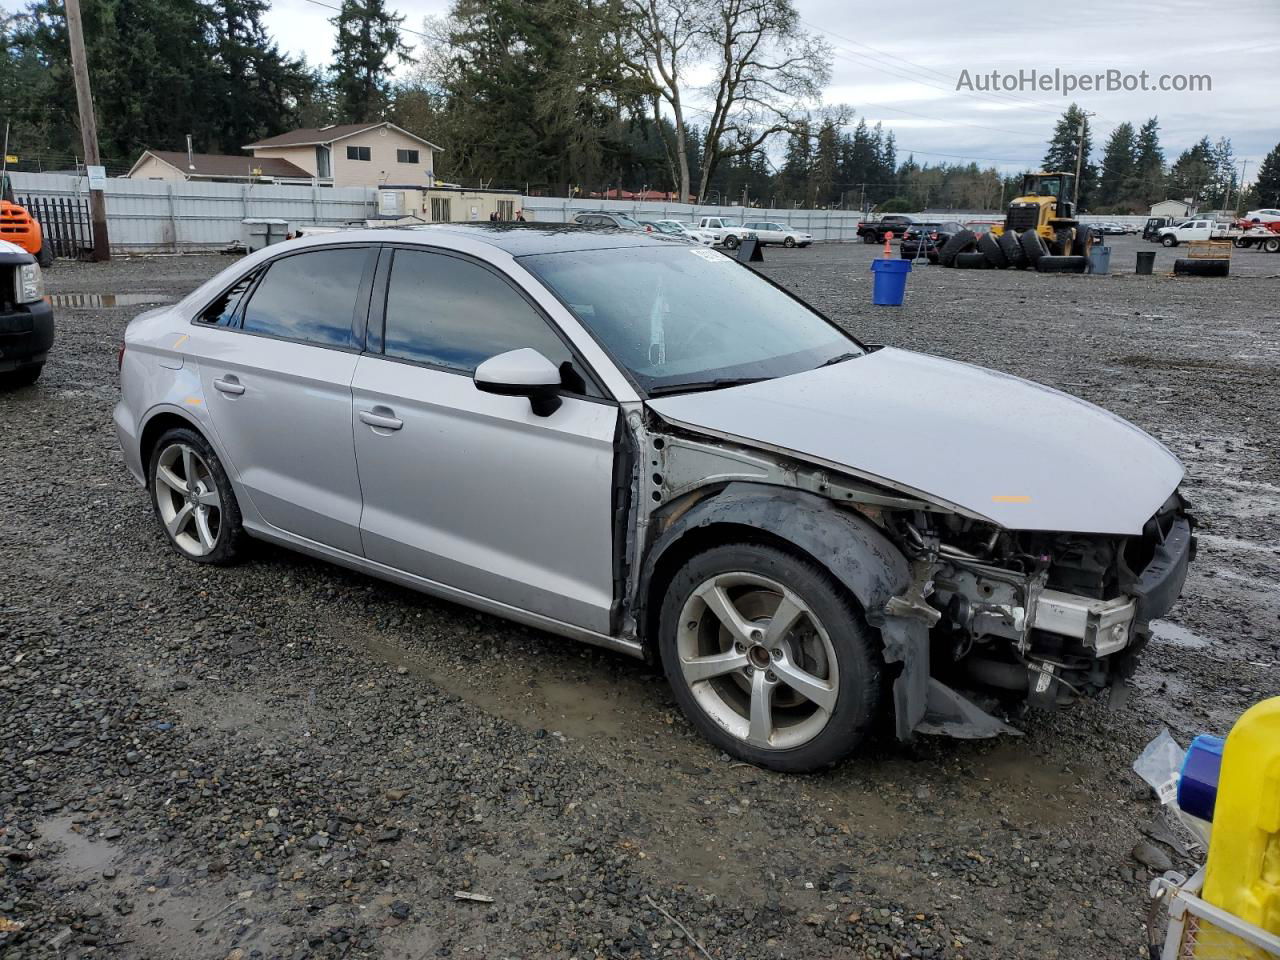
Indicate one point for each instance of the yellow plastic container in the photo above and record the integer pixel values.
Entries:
(1242, 875)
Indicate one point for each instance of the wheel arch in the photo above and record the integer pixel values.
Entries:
(861, 559)
(166, 417)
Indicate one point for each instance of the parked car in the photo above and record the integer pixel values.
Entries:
(983, 226)
(769, 231)
(1263, 216)
(1153, 227)
(603, 218)
(695, 236)
(1190, 230)
(930, 235)
(1110, 228)
(725, 231)
(645, 445)
(875, 231)
(26, 319)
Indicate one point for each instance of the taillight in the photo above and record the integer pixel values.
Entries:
(120, 357)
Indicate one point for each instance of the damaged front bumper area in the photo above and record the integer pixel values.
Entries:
(1042, 619)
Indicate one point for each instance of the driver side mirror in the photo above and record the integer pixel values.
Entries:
(522, 373)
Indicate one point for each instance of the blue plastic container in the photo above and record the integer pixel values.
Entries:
(1198, 782)
(890, 284)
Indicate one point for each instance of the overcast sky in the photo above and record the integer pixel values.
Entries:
(899, 62)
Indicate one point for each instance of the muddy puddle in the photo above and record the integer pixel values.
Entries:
(91, 300)
(1166, 631)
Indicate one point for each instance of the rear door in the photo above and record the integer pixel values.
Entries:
(472, 490)
(276, 375)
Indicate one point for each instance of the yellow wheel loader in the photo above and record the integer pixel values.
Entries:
(1046, 209)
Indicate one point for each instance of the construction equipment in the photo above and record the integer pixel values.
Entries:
(1044, 208)
(20, 228)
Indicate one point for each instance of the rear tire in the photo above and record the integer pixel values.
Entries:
(1051, 264)
(960, 242)
(868, 237)
(1168, 241)
(1271, 246)
(991, 249)
(22, 377)
(193, 499)
(1013, 251)
(797, 701)
(1032, 247)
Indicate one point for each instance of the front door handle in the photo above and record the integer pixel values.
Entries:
(229, 385)
(381, 418)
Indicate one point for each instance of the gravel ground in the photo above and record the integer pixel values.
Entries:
(283, 759)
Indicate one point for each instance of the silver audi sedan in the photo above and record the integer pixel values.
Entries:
(642, 444)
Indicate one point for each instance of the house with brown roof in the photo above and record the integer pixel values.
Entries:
(354, 154)
(216, 167)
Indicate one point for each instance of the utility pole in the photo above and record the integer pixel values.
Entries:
(1075, 187)
(88, 129)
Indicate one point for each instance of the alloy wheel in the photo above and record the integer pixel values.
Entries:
(757, 660)
(188, 500)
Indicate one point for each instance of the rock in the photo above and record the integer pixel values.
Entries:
(1152, 856)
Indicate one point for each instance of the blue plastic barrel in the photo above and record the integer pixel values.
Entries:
(890, 284)
(1198, 782)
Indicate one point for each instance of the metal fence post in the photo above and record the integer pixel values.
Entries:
(173, 218)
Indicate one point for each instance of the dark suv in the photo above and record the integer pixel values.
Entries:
(929, 236)
(26, 319)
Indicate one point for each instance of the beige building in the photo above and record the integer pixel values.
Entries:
(214, 167)
(354, 154)
(448, 204)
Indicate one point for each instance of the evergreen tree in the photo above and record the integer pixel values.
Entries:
(1266, 190)
(261, 92)
(1119, 167)
(1149, 163)
(1225, 176)
(793, 179)
(1062, 152)
(367, 48)
(1193, 174)
(825, 164)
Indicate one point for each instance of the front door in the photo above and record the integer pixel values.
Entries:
(473, 490)
(276, 375)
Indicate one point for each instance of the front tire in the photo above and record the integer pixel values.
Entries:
(789, 242)
(44, 256)
(193, 498)
(768, 658)
(731, 242)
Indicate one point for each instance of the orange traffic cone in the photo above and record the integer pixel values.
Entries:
(888, 253)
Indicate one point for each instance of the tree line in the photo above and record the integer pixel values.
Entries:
(718, 100)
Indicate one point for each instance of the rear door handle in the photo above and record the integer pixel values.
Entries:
(229, 385)
(383, 421)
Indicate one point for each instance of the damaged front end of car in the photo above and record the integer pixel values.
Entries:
(1046, 618)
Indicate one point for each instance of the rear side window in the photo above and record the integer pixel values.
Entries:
(454, 313)
(309, 297)
(223, 311)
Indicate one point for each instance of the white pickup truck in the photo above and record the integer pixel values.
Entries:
(727, 231)
(1190, 230)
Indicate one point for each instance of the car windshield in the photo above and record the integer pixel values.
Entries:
(662, 227)
(687, 318)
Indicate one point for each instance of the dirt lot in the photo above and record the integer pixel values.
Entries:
(286, 760)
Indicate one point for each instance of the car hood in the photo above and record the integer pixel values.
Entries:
(1020, 454)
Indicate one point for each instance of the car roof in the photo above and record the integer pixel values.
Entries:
(525, 239)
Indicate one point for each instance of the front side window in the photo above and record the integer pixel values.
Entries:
(406, 156)
(454, 313)
(685, 317)
(358, 153)
(309, 297)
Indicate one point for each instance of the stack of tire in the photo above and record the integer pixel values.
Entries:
(985, 251)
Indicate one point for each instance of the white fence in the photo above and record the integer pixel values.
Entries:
(177, 216)
(168, 216)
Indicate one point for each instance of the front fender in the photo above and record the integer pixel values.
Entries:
(848, 546)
